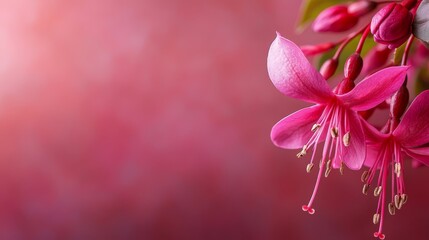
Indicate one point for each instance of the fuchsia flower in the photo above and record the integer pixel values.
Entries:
(385, 150)
(333, 119)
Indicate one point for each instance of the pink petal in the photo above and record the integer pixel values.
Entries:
(354, 154)
(294, 131)
(375, 89)
(413, 130)
(293, 75)
(372, 135)
(372, 153)
(419, 154)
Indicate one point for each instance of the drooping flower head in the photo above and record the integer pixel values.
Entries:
(386, 154)
(333, 119)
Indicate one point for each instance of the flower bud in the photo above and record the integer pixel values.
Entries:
(311, 50)
(335, 19)
(353, 66)
(399, 102)
(392, 25)
(376, 58)
(345, 86)
(328, 68)
(361, 8)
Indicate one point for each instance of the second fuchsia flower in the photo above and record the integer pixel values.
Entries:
(333, 119)
(386, 151)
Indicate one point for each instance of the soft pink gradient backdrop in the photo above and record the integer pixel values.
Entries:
(144, 119)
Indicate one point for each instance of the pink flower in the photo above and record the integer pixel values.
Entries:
(333, 118)
(385, 150)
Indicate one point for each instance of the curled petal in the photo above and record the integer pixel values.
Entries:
(419, 154)
(413, 130)
(372, 135)
(375, 89)
(372, 154)
(293, 75)
(294, 131)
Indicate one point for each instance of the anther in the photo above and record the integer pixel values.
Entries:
(334, 132)
(376, 218)
(328, 168)
(346, 139)
(342, 168)
(364, 176)
(404, 198)
(397, 201)
(365, 189)
(327, 171)
(398, 169)
(391, 208)
(377, 191)
(302, 153)
(315, 127)
(309, 167)
(321, 163)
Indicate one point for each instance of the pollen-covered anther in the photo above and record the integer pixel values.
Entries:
(315, 127)
(398, 169)
(376, 218)
(404, 198)
(346, 139)
(377, 191)
(365, 189)
(364, 176)
(303, 152)
(321, 163)
(397, 199)
(391, 208)
(309, 167)
(334, 132)
(328, 168)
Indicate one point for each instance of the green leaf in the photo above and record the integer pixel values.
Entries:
(310, 9)
(348, 50)
(422, 80)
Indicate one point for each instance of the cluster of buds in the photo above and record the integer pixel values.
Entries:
(370, 80)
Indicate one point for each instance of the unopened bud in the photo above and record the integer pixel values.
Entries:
(409, 3)
(345, 86)
(353, 66)
(311, 50)
(392, 25)
(361, 8)
(335, 19)
(399, 102)
(328, 68)
(376, 58)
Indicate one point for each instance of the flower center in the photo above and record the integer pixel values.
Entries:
(388, 156)
(333, 129)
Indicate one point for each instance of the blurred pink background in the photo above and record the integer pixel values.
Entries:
(144, 119)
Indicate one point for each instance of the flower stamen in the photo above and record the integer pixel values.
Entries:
(309, 167)
(346, 139)
(315, 127)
